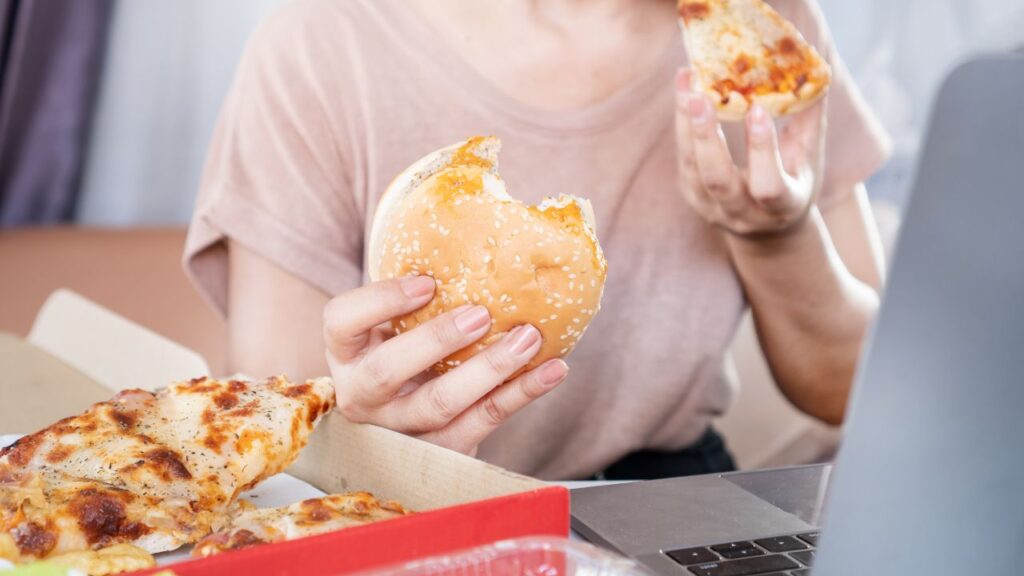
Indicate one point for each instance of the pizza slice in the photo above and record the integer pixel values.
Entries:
(154, 470)
(251, 526)
(743, 52)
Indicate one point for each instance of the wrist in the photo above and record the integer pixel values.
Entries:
(770, 244)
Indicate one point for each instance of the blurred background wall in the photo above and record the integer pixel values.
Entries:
(168, 65)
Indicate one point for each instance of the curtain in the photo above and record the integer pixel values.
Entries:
(50, 57)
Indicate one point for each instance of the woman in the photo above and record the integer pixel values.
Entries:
(333, 98)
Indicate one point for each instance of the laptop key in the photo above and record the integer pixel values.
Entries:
(741, 545)
(806, 557)
(742, 553)
(811, 538)
(781, 544)
(745, 567)
(689, 556)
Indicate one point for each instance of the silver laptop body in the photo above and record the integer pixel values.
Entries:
(930, 477)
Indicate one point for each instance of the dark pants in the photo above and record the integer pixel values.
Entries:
(706, 456)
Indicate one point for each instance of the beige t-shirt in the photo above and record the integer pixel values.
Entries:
(334, 97)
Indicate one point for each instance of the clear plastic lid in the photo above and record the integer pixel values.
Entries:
(535, 556)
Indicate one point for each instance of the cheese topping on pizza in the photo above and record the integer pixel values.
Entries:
(742, 52)
(154, 470)
(253, 526)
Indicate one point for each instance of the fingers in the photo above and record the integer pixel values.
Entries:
(439, 401)
(689, 178)
(717, 171)
(471, 427)
(801, 144)
(349, 316)
(766, 181)
(382, 372)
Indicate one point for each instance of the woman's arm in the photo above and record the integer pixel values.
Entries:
(811, 280)
(275, 320)
(813, 292)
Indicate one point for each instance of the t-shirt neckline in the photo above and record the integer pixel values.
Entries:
(422, 40)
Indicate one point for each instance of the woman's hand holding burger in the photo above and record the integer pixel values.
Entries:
(384, 379)
(475, 299)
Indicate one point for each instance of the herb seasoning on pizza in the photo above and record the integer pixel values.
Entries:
(743, 52)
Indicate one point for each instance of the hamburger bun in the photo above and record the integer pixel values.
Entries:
(448, 216)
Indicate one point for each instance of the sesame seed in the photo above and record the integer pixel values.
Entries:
(566, 268)
(575, 320)
(491, 241)
(553, 317)
(543, 320)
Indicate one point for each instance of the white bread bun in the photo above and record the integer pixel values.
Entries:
(448, 216)
(743, 51)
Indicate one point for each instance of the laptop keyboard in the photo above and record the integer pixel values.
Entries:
(778, 556)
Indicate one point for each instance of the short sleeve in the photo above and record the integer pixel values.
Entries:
(856, 144)
(279, 177)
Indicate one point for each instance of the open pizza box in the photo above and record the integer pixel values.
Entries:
(79, 353)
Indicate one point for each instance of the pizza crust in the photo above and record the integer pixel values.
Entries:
(743, 52)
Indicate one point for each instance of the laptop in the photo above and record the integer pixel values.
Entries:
(930, 477)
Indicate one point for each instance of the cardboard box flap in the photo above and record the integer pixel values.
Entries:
(108, 348)
(343, 456)
(37, 389)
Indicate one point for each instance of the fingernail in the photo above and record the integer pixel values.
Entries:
(683, 80)
(552, 372)
(698, 109)
(417, 286)
(522, 339)
(473, 319)
(758, 120)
